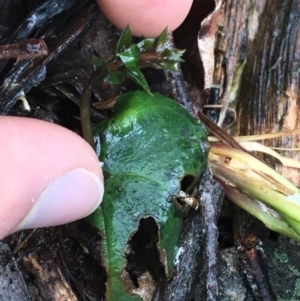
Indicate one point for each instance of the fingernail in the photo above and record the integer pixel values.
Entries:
(73, 196)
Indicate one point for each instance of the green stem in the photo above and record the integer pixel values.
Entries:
(85, 101)
(85, 106)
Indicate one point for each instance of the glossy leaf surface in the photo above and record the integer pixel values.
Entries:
(148, 147)
(124, 41)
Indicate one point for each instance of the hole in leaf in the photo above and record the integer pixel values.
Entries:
(186, 183)
(143, 253)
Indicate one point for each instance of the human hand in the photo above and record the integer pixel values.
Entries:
(146, 18)
(49, 175)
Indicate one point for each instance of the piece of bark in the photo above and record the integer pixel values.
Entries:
(25, 75)
(232, 282)
(12, 284)
(198, 249)
(180, 288)
(24, 50)
(249, 232)
(211, 198)
(260, 44)
(178, 85)
(49, 279)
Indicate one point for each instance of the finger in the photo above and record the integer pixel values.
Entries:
(146, 18)
(48, 176)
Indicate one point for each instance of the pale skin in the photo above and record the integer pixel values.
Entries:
(49, 175)
(145, 17)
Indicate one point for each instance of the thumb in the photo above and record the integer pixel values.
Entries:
(48, 175)
(146, 18)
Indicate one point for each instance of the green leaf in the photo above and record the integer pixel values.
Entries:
(138, 77)
(172, 55)
(130, 57)
(99, 62)
(161, 40)
(154, 45)
(147, 147)
(147, 45)
(124, 41)
(131, 60)
(168, 66)
(170, 59)
(116, 77)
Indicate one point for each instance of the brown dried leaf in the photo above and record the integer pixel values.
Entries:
(206, 43)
